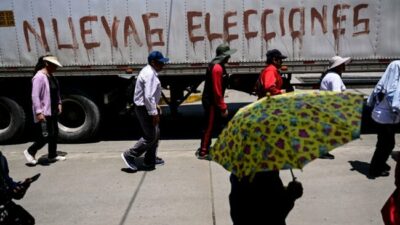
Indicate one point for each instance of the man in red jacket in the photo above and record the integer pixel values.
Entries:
(215, 108)
(270, 78)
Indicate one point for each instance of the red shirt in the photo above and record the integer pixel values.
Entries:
(217, 76)
(272, 80)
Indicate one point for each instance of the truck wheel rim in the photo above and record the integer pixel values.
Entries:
(73, 116)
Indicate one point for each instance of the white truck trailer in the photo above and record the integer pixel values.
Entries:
(100, 41)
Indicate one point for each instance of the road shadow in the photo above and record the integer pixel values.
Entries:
(188, 124)
(359, 166)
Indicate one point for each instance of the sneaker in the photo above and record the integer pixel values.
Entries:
(159, 161)
(150, 167)
(129, 161)
(202, 155)
(57, 158)
(30, 158)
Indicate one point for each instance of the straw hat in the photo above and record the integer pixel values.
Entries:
(336, 61)
(53, 60)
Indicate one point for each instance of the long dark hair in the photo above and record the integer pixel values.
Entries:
(40, 64)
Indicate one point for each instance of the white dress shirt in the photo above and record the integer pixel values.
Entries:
(332, 82)
(148, 90)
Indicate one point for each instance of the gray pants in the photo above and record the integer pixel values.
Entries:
(149, 142)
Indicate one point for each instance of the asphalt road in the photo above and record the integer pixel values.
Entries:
(90, 187)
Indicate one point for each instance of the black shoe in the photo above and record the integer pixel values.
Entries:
(129, 161)
(379, 174)
(159, 161)
(327, 156)
(146, 167)
(386, 167)
(202, 155)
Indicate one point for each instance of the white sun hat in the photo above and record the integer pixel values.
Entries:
(52, 59)
(336, 61)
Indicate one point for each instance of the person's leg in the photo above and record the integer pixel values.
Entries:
(149, 140)
(151, 153)
(52, 127)
(207, 132)
(384, 146)
(39, 140)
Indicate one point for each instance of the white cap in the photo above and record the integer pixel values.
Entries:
(52, 59)
(336, 61)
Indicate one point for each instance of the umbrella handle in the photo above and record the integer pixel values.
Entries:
(293, 176)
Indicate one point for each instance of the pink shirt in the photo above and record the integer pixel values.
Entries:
(41, 102)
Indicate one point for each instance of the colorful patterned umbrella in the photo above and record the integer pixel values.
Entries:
(287, 131)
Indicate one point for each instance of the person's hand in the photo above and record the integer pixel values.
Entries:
(159, 110)
(225, 113)
(156, 120)
(40, 117)
(59, 109)
(19, 190)
(295, 189)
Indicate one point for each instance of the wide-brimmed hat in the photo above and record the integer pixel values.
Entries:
(53, 60)
(223, 51)
(275, 53)
(157, 56)
(336, 61)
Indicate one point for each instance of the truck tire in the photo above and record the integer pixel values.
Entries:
(12, 120)
(80, 119)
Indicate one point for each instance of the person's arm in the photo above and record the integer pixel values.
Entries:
(397, 173)
(269, 82)
(293, 191)
(216, 75)
(150, 87)
(37, 87)
(337, 84)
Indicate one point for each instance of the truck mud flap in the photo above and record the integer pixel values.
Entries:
(80, 119)
(12, 120)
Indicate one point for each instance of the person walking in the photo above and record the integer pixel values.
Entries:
(46, 106)
(262, 199)
(331, 80)
(215, 108)
(146, 97)
(270, 80)
(386, 113)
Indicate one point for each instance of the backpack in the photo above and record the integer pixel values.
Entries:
(259, 87)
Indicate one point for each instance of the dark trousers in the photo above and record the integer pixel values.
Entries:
(213, 125)
(51, 139)
(151, 135)
(262, 200)
(384, 146)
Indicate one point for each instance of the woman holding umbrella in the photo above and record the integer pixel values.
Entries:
(264, 188)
